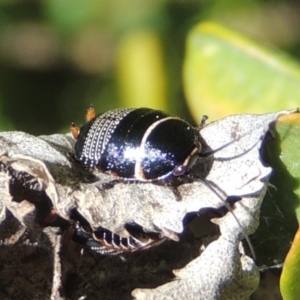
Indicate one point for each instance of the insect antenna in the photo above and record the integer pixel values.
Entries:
(202, 168)
(215, 189)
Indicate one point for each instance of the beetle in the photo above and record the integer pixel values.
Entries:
(140, 144)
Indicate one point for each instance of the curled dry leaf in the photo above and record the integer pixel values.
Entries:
(39, 175)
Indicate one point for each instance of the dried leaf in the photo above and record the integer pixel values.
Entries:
(49, 173)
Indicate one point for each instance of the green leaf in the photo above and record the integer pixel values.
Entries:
(289, 132)
(280, 209)
(226, 73)
(289, 280)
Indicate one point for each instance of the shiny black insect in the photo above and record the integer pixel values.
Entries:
(140, 144)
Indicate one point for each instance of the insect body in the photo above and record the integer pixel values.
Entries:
(141, 144)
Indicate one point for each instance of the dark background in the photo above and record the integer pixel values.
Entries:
(57, 57)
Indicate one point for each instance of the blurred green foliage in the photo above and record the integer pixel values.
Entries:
(236, 74)
(57, 56)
